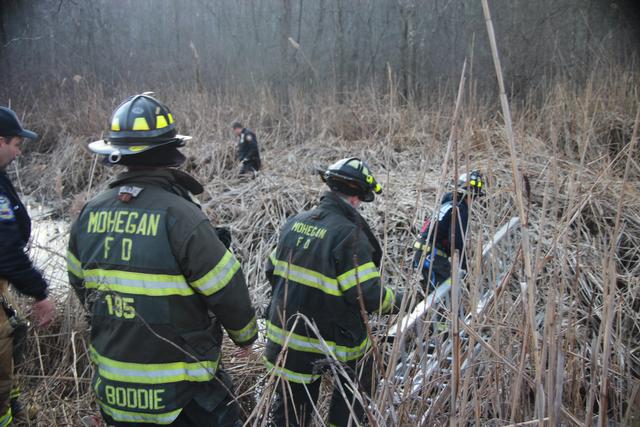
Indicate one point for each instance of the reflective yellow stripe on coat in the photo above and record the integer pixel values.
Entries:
(153, 373)
(139, 417)
(218, 277)
(289, 375)
(314, 345)
(129, 282)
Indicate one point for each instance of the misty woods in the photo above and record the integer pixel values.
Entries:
(309, 45)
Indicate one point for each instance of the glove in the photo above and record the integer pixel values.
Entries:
(224, 235)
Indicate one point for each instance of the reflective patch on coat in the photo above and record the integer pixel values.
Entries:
(249, 137)
(6, 211)
(444, 209)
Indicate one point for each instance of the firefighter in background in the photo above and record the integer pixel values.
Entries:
(325, 267)
(247, 152)
(159, 284)
(436, 267)
(15, 266)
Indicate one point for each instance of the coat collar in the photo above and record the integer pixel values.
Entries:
(165, 178)
(331, 201)
(334, 203)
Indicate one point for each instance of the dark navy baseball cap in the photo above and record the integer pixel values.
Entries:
(10, 125)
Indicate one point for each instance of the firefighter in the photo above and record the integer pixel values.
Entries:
(159, 284)
(247, 152)
(15, 266)
(326, 268)
(436, 267)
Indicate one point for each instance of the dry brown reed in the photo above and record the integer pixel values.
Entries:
(566, 354)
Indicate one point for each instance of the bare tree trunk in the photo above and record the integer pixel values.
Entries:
(319, 29)
(407, 48)
(340, 50)
(3, 33)
(285, 33)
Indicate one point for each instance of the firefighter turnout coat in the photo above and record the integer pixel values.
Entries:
(325, 265)
(160, 286)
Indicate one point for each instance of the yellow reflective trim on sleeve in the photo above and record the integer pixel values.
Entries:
(387, 303)
(314, 345)
(219, 276)
(7, 418)
(292, 376)
(74, 266)
(140, 123)
(245, 334)
(359, 274)
(161, 122)
(153, 373)
(15, 392)
(165, 418)
(272, 257)
(307, 277)
(128, 282)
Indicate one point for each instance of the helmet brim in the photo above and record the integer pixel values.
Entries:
(105, 148)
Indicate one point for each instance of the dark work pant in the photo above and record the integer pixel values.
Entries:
(441, 269)
(248, 169)
(295, 407)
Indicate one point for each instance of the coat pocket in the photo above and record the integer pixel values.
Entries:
(204, 344)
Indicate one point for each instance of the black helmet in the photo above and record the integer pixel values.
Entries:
(351, 176)
(473, 183)
(139, 124)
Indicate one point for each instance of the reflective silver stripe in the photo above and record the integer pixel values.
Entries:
(219, 276)
(387, 303)
(73, 265)
(358, 275)
(307, 277)
(296, 377)
(153, 373)
(314, 345)
(137, 283)
(163, 375)
(7, 418)
(242, 335)
(126, 416)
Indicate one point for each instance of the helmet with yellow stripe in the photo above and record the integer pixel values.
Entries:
(472, 182)
(138, 124)
(351, 176)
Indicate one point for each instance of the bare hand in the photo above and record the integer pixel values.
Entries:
(43, 312)
(244, 352)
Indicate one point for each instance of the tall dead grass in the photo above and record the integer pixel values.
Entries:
(572, 143)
